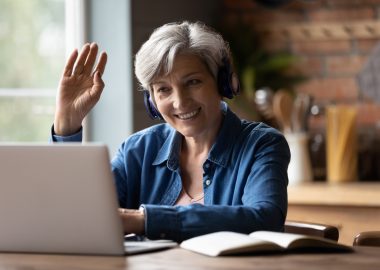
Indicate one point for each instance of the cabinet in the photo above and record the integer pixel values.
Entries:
(352, 207)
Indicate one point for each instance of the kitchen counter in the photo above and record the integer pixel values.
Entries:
(352, 194)
(352, 207)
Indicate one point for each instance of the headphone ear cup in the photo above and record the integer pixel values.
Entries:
(150, 108)
(228, 82)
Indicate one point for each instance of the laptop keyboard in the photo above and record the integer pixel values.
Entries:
(135, 244)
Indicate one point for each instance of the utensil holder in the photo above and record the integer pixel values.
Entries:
(299, 170)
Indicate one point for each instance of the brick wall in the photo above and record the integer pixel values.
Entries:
(330, 64)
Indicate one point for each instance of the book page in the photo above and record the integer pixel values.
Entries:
(281, 239)
(297, 241)
(224, 243)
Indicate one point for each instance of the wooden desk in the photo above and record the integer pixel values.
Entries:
(351, 207)
(364, 258)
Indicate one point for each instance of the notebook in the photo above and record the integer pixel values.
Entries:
(61, 198)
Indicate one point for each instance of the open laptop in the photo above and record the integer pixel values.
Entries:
(61, 198)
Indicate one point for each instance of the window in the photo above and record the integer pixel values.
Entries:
(32, 56)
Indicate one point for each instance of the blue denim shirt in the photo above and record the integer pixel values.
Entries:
(244, 180)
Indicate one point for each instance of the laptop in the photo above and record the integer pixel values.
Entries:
(61, 198)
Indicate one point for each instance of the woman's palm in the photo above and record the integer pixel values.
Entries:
(75, 94)
(79, 90)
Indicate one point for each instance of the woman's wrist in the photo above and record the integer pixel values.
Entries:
(64, 128)
(133, 220)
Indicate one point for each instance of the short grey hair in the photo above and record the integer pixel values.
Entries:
(157, 54)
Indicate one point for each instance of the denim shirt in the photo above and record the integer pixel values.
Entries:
(244, 180)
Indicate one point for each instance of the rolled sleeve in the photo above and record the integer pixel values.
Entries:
(161, 222)
(76, 137)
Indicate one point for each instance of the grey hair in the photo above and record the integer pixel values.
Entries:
(157, 54)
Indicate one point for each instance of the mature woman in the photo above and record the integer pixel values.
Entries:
(202, 171)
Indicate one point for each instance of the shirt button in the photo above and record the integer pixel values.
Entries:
(208, 182)
(207, 165)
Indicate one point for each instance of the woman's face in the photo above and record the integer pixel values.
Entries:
(188, 98)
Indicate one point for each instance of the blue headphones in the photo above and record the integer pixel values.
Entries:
(228, 85)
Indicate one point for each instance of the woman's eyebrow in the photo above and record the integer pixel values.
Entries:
(191, 74)
(185, 76)
(158, 82)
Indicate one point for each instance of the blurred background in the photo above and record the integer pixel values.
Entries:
(32, 50)
(314, 52)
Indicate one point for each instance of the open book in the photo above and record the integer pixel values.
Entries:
(227, 243)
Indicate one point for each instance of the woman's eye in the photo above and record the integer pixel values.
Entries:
(162, 89)
(193, 82)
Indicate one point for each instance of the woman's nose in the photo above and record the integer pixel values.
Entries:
(180, 98)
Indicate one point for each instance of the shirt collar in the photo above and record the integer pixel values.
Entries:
(220, 151)
(170, 150)
(222, 148)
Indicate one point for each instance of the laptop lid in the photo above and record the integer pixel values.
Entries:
(58, 198)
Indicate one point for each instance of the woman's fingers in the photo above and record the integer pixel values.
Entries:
(122, 210)
(90, 59)
(79, 66)
(98, 87)
(70, 63)
(101, 63)
(85, 62)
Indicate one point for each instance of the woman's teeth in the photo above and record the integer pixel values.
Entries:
(189, 115)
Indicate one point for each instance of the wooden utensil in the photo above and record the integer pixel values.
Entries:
(282, 109)
(301, 108)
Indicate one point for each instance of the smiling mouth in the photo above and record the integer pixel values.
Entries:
(187, 116)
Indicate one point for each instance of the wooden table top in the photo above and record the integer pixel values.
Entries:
(363, 258)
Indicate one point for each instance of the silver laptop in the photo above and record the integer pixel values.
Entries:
(61, 198)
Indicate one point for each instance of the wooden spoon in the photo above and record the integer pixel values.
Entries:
(282, 109)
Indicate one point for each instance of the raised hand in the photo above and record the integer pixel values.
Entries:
(79, 89)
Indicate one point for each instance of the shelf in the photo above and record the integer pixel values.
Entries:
(345, 194)
(322, 31)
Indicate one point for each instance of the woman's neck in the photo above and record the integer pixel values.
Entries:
(195, 148)
(200, 145)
